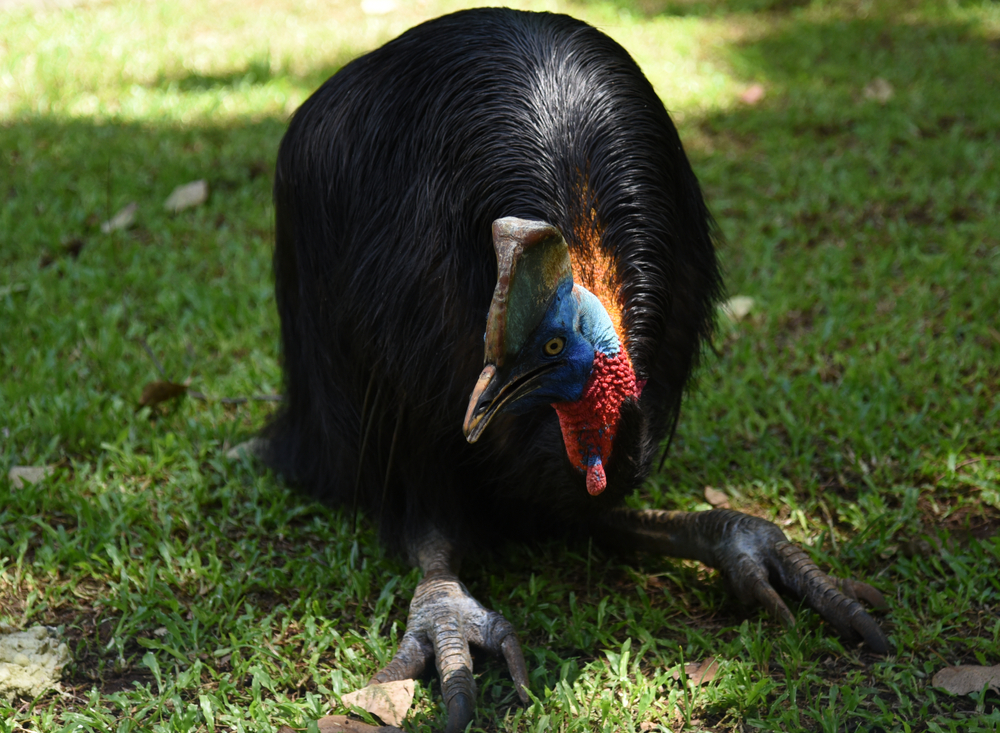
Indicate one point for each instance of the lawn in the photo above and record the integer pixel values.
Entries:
(850, 152)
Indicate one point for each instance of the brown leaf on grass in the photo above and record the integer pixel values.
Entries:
(71, 248)
(700, 673)
(156, 392)
(967, 678)
(752, 94)
(19, 475)
(342, 724)
(390, 702)
(925, 546)
(187, 196)
(879, 90)
(122, 220)
(718, 499)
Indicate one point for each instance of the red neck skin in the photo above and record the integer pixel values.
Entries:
(589, 424)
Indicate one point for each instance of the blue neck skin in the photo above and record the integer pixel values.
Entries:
(577, 316)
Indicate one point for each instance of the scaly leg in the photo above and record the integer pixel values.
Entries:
(444, 620)
(756, 559)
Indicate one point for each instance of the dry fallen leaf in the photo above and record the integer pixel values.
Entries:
(389, 702)
(967, 678)
(925, 546)
(249, 448)
(73, 247)
(700, 673)
(122, 220)
(31, 661)
(342, 724)
(879, 90)
(738, 307)
(156, 392)
(187, 196)
(718, 499)
(752, 94)
(18, 475)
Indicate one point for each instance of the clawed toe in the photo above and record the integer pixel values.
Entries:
(444, 620)
(861, 592)
(759, 562)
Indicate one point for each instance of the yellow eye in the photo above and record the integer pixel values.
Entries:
(554, 346)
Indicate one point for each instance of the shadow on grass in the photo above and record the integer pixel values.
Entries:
(259, 71)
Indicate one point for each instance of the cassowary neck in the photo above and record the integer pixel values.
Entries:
(589, 424)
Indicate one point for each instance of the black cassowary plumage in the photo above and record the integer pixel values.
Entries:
(387, 183)
(405, 188)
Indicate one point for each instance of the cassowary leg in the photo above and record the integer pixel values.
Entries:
(444, 620)
(757, 560)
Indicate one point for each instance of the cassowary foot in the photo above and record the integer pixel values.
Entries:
(444, 620)
(756, 559)
(755, 556)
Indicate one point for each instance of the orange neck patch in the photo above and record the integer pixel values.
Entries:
(595, 270)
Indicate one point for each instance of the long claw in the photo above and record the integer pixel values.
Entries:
(459, 713)
(409, 661)
(515, 663)
(767, 596)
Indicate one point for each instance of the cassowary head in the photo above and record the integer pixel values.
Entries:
(550, 341)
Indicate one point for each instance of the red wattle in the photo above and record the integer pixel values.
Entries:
(596, 480)
(589, 424)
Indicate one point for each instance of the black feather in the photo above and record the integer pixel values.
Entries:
(387, 183)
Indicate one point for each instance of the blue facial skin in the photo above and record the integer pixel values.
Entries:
(578, 317)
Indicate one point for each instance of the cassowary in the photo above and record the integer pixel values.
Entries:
(502, 183)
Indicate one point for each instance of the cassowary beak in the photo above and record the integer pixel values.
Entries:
(493, 392)
(532, 261)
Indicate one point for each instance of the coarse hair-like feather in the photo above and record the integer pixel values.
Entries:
(387, 183)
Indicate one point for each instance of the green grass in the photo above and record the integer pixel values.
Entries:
(858, 405)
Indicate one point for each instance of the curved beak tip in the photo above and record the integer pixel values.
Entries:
(475, 413)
